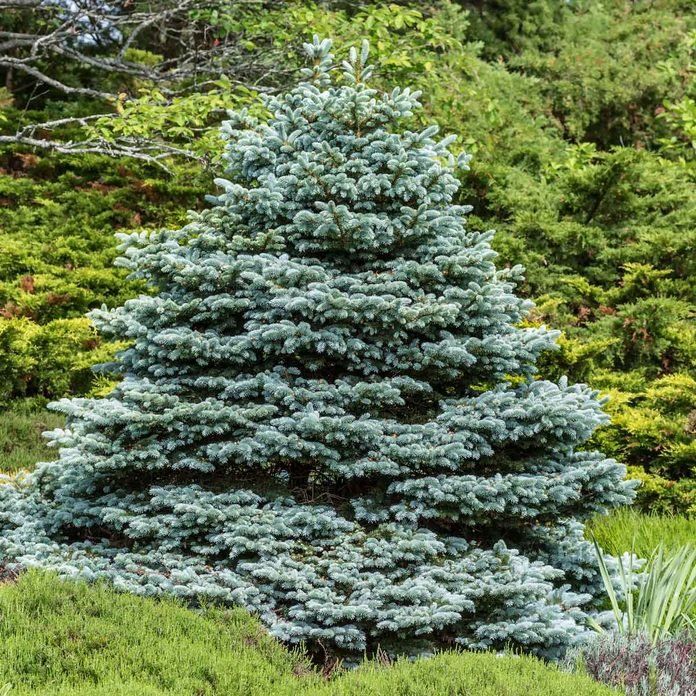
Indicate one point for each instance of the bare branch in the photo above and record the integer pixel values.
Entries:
(51, 39)
(56, 84)
(142, 150)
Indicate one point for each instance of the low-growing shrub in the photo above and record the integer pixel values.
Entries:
(664, 496)
(74, 639)
(57, 222)
(49, 359)
(640, 666)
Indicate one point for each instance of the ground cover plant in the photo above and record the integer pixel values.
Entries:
(125, 645)
(639, 666)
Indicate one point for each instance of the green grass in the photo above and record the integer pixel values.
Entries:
(627, 529)
(64, 638)
(21, 444)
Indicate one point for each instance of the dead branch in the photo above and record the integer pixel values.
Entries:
(47, 41)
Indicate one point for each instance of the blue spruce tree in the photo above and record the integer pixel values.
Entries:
(328, 411)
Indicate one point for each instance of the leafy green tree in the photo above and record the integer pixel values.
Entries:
(507, 27)
(610, 68)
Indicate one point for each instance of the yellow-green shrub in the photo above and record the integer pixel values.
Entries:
(48, 359)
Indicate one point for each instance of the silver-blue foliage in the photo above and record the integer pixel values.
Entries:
(329, 412)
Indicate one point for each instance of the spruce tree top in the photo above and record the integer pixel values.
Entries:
(328, 412)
